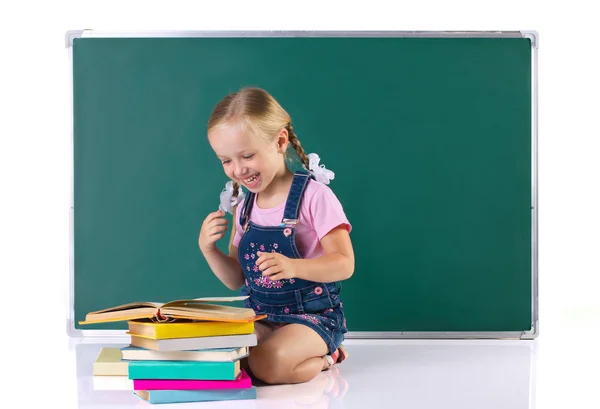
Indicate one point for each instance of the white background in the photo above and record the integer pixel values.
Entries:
(35, 158)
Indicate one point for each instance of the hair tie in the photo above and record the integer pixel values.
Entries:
(320, 172)
(227, 200)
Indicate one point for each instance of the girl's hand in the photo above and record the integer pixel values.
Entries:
(213, 228)
(275, 265)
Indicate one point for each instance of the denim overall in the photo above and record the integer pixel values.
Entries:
(293, 300)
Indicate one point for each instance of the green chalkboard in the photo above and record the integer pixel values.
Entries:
(430, 138)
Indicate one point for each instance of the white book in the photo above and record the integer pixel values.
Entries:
(188, 344)
(112, 383)
(207, 355)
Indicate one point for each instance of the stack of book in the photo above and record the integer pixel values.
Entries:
(183, 356)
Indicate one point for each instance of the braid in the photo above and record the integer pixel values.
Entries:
(236, 190)
(295, 142)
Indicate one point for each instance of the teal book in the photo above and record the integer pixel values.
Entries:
(179, 396)
(202, 370)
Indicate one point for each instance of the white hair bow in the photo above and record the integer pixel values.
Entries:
(320, 172)
(227, 199)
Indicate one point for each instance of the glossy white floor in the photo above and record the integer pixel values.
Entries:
(557, 368)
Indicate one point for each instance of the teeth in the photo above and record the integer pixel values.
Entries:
(250, 180)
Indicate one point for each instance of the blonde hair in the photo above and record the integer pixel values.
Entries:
(260, 114)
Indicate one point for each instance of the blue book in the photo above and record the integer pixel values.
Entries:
(178, 396)
(203, 370)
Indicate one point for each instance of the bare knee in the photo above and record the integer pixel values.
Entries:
(268, 363)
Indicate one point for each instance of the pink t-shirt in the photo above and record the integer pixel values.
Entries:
(320, 212)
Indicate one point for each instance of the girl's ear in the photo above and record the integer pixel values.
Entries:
(283, 140)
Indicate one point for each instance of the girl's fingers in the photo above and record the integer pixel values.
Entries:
(271, 270)
(216, 227)
(214, 215)
(265, 264)
(219, 222)
(275, 277)
(262, 257)
(218, 230)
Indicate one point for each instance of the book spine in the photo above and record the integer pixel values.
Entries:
(179, 396)
(179, 384)
(207, 329)
(150, 355)
(226, 341)
(182, 370)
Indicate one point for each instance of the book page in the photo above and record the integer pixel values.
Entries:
(129, 306)
(120, 315)
(206, 311)
(203, 300)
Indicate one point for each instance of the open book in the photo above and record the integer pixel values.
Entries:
(200, 309)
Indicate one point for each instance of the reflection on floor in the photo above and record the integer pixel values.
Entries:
(378, 374)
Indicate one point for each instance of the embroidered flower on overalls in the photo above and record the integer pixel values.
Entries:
(286, 310)
(247, 256)
(260, 281)
(268, 283)
(248, 268)
(255, 269)
(310, 318)
(252, 255)
(262, 247)
(251, 244)
(275, 245)
(291, 280)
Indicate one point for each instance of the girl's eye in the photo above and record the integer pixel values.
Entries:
(224, 162)
(248, 156)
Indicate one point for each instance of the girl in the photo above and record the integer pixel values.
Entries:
(290, 245)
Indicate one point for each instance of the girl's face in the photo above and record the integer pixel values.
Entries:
(247, 159)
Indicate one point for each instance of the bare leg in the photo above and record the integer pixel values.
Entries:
(292, 354)
(262, 332)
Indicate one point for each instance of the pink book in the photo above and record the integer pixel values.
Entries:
(243, 381)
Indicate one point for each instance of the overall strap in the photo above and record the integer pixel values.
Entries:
(294, 199)
(245, 213)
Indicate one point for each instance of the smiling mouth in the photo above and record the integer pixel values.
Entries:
(251, 180)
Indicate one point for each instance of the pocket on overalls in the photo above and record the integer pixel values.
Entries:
(316, 299)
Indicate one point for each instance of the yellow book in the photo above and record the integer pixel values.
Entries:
(188, 329)
(109, 363)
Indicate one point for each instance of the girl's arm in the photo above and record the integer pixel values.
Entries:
(225, 267)
(336, 264)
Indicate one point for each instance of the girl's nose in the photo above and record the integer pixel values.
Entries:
(240, 171)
